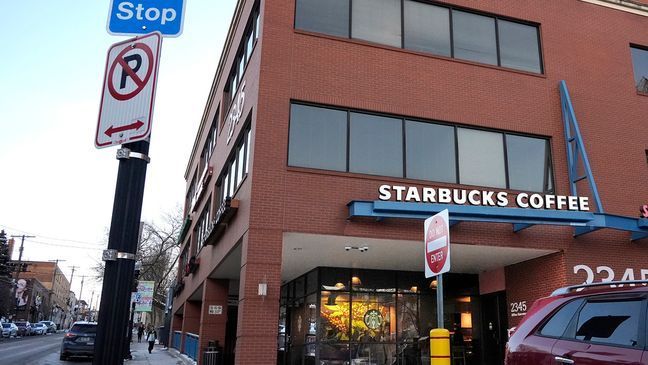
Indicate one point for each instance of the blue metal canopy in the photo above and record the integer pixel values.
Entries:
(520, 218)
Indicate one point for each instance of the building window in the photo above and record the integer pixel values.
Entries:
(318, 138)
(640, 66)
(433, 140)
(427, 28)
(330, 17)
(419, 26)
(202, 226)
(235, 169)
(375, 145)
(474, 37)
(377, 21)
(518, 46)
(398, 147)
(529, 167)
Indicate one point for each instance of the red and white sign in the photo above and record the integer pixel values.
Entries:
(437, 244)
(128, 91)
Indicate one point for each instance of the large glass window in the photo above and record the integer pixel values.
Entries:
(518, 46)
(481, 158)
(613, 322)
(640, 66)
(318, 138)
(527, 158)
(474, 37)
(376, 145)
(377, 21)
(430, 151)
(427, 28)
(330, 17)
(381, 145)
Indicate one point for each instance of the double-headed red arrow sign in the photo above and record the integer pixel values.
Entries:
(128, 91)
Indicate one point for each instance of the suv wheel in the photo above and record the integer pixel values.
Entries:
(63, 357)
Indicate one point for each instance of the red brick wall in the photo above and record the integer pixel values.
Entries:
(212, 326)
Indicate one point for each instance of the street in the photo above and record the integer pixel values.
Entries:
(32, 350)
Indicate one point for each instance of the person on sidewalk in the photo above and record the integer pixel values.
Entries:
(151, 336)
(140, 332)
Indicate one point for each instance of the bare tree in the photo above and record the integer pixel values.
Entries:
(158, 253)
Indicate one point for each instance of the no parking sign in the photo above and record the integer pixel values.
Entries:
(128, 91)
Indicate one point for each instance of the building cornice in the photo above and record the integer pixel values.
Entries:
(628, 6)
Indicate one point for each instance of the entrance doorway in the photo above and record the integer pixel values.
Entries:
(230, 331)
(495, 324)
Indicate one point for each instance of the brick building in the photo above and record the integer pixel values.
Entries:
(333, 128)
(53, 279)
(32, 301)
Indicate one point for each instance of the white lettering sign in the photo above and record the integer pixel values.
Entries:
(481, 197)
(215, 309)
(518, 309)
(606, 274)
(234, 116)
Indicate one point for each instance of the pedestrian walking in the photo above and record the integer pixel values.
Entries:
(140, 332)
(151, 336)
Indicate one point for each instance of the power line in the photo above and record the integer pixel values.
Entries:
(62, 245)
(52, 238)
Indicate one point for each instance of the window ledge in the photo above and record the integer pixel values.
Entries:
(633, 7)
(423, 54)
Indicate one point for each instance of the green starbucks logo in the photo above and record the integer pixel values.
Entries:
(373, 319)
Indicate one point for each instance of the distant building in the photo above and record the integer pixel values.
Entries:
(32, 300)
(52, 278)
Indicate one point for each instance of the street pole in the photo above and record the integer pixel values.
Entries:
(18, 267)
(439, 296)
(119, 258)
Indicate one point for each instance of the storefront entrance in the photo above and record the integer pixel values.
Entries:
(351, 317)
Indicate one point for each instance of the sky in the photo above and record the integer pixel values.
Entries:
(54, 184)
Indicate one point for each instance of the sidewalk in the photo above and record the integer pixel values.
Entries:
(159, 355)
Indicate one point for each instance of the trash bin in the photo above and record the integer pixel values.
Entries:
(213, 355)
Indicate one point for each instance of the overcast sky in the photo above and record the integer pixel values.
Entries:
(54, 184)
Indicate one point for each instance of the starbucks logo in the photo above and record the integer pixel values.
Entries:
(373, 319)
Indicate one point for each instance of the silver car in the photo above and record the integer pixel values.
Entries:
(39, 329)
(9, 330)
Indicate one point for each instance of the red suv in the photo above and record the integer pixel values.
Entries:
(592, 324)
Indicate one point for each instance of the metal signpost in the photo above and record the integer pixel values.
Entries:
(437, 254)
(124, 117)
(128, 17)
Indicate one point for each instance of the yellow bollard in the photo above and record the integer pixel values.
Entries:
(439, 346)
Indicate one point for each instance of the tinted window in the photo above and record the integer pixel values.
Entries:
(6, 325)
(325, 16)
(518, 46)
(377, 21)
(481, 158)
(640, 66)
(376, 145)
(317, 138)
(84, 328)
(557, 324)
(427, 28)
(614, 323)
(527, 158)
(430, 151)
(474, 37)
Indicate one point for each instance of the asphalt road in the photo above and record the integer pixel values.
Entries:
(31, 350)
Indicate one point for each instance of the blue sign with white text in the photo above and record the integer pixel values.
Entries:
(132, 17)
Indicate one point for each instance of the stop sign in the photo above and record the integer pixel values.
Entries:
(437, 244)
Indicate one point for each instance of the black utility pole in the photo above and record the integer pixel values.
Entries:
(119, 258)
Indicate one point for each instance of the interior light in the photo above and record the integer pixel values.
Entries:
(433, 284)
(356, 281)
(414, 289)
(339, 286)
(466, 320)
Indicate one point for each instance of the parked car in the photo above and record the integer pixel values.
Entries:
(602, 323)
(24, 328)
(39, 328)
(51, 326)
(9, 330)
(79, 340)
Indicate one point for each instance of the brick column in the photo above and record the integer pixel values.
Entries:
(176, 325)
(191, 320)
(212, 326)
(258, 316)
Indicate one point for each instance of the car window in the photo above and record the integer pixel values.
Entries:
(557, 324)
(6, 325)
(84, 328)
(610, 322)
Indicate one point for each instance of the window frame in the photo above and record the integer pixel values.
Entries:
(455, 126)
(451, 8)
(642, 48)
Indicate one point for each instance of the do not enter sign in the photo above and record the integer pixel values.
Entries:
(128, 91)
(437, 244)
